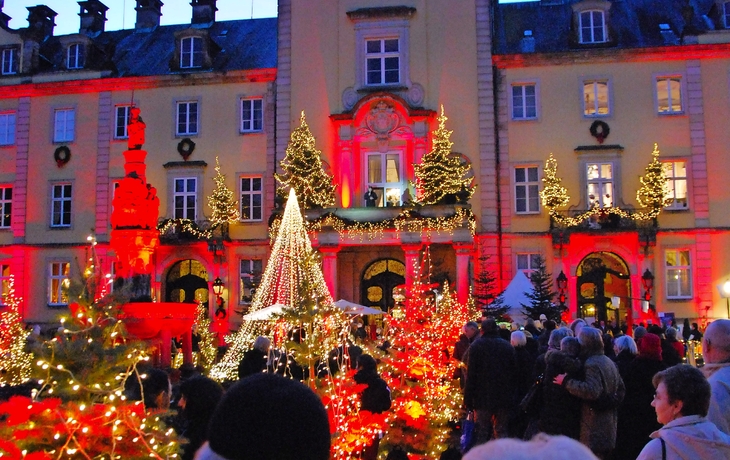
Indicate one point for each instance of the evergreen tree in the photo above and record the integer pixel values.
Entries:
(553, 194)
(653, 191)
(304, 172)
(208, 350)
(442, 177)
(225, 208)
(15, 361)
(485, 292)
(542, 294)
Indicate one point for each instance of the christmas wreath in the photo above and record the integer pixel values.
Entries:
(185, 147)
(62, 155)
(599, 129)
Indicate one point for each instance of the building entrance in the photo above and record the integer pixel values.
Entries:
(187, 281)
(378, 282)
(601, 276)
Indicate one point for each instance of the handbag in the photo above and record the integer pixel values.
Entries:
(467, 433)
(532, 401)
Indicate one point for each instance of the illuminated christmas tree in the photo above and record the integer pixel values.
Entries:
(304, 171)
(441, 177)
(208, 349)
(225, 208)
(542, 294)
(653, 191)
(553, 194)
(15, 361)
(281, 284)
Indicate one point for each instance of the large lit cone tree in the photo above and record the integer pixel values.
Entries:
(79, 408)
(304, 171)
(15, 361)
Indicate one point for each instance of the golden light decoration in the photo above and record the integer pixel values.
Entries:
(15, 361)
(221, 202)
(184, 225)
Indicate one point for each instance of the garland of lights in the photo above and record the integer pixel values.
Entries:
(652, 194)
(15, 361)
(184, 226)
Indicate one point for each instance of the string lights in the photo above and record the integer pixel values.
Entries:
(224, 207)
(15, 361)
(184, 226)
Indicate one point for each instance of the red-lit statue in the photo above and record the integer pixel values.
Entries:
(135, 130)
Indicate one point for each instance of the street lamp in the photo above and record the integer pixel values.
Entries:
(725, 292)
(562, 287)
(218, 287)
(647, 279)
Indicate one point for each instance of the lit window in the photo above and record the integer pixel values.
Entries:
(251, 198)
(6, 206)
(57, 283)
(7, 128)
(121, 120)
(669, 95)
(76, 56)
(528, 262)
(4, 282)
(600, 185)
(10, 60)
(524, 101)
(187, 118)
(250, 277)
(191, 52)
(185, 197)
(678, 273)
(595, 98)
(64, 123)
(252, 115)
(61, 206)
(527, 190)
(384, 176)
(592, 27)
(382, 61)
(726, 14)
(676, 186)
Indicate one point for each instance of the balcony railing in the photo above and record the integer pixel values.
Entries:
(177, 231)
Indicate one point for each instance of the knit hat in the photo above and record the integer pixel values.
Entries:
(268, 417)
(650, 347)
(639, 332)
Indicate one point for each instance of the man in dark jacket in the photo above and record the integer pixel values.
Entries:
(374, 398)
(490, 383)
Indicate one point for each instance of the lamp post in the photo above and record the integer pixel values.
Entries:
(562, 281)
(218, 291)
(647, 279)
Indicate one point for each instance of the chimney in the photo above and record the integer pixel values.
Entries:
(203, 11)
(40, 21)
(527, 45)
(4, 18)
(148, 14)
(93, 17)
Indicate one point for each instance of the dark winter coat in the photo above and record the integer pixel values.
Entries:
(623, 360)
(376, 397)
(490, 381)
(254, 361)
(560, 413)
(523, 374)
(636, 417)
(670, 356)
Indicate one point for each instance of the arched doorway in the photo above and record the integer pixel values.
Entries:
(187, 281)
(378, 282)
(602, 276)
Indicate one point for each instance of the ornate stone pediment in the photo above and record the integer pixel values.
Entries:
(382, 122)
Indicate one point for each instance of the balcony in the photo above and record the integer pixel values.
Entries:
(602, 222)
(181, 231)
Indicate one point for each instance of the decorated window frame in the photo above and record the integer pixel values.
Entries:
(64, 125)
(184, 189)
(187, 117)
(251, 195)
(519, 98)
(669, 83)
(251, 114)
(606, 157)
(185, 170)
(121, 120)
(59, 274)
(389, 192)
(250, 272)
(8, 126)
(393, 29)
(678, 277)
(595, 91)
(61, 205)
(526, 178)
(678, 187)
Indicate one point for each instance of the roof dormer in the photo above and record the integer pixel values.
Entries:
(76, 51)
(590, 22)
(193, 50)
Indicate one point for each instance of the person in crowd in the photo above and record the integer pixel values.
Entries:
(577, 325)
(694, 333)
(716, 350)
(541, 447)
(625, 349)
(686, 330)
(636, 418)
(198, 398)
(639, 332)
(489, 388)
(681, 401)
(255, 359)
(523, 376)
(608, 346)
(469, 335)
(549, 327)
(374, 398)
(267, 416)
(602, 380)
(531, 328)
(670, 356)
(671, 334)
(155, 391)
(560, 414)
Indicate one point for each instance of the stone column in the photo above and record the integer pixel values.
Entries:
(165, 348)
(463, 255)
(329, 267)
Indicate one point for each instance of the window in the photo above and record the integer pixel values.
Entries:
(527, 190)
(6, 206)
(528, 262)
(249, 279)
(678, 273)
(676, 186)
(121, 119)
(187, 118)
(61, 206)
(524, 101)
(251, 198)
(63, 128)
(186, 197)
(384, 176)
(726, 14)
(7, 128)
(592, 26)
(10, 61)
(600, 184)
(252, 115)
(76, 56)
(4, 282)
(57, 282)
(382, 61)
(595, 98)
(669, 95)
(191, 52)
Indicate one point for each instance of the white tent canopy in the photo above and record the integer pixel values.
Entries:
(515, 295)
(265, 313)
(352, 308)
